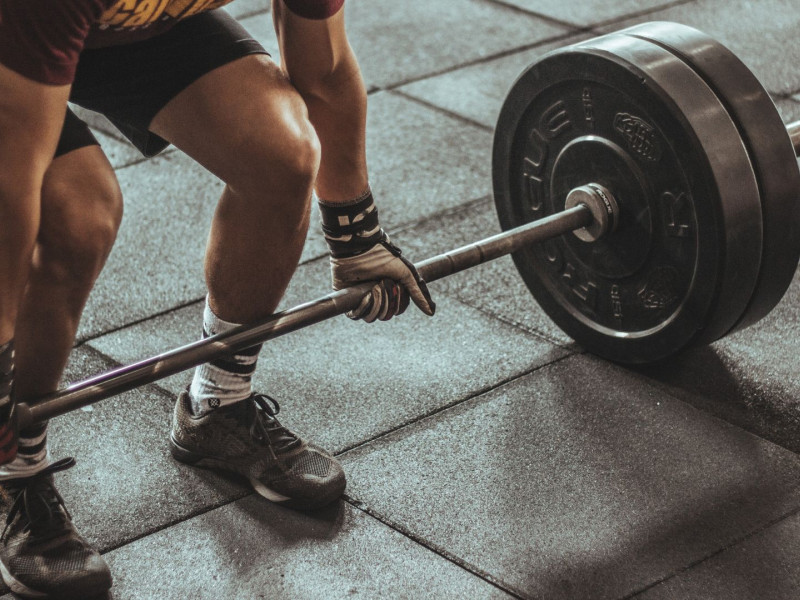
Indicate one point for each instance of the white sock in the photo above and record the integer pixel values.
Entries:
(33, 454)
(225, 380)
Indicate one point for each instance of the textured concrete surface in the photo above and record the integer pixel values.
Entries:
(250, 550)
(577, 481)
(482, 87)
(590, 11)
(400, 42)
(750, 378)
(739, 570)
(125, 483)
(487, 456)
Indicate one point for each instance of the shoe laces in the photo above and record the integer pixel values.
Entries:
(38, 501)
(265, 427)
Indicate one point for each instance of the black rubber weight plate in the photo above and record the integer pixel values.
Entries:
(627, 114)
(767, 141)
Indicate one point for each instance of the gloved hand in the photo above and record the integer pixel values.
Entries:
(397, 280)
(361, 251)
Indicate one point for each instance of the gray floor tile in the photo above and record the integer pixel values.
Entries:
(125, 484)
(576, 481)
(764, 42)
(406, 41)
(749, 378)
(120, 154)
(477, 92)
(340, 392)
(250, 550)
(422, 161)
(241, 8)
(157, 260)
(762, 566)
(589, 13)
(397, 42)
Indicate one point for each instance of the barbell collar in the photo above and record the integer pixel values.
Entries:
(604, 207)
(126, 378)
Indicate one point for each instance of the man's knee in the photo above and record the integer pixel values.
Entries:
(281, 163)
(81, 214)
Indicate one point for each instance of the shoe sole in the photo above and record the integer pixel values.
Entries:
(22, 590)
(194, 459)
(17, 586)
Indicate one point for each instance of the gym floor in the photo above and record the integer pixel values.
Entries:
(488, 456)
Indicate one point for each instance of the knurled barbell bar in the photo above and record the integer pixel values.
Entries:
(663, 154)
(152, 369)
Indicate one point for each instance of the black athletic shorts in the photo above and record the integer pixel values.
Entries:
(130, 83)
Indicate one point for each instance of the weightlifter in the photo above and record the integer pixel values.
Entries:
(180, 72)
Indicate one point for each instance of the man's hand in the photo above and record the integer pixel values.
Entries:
(397, 280)
(361, 251)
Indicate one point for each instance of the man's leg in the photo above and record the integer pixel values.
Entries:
(31, 115)
(246, 124)
(81, 211)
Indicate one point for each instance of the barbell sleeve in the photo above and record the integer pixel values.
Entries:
(794, 134)
(125, 378)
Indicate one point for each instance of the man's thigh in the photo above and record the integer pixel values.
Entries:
(131, 83)
(241, 118)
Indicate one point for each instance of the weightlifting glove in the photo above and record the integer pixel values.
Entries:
(9, 430)
(362, 251)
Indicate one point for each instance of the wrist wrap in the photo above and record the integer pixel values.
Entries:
(353, 228)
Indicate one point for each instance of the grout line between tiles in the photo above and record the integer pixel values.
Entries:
(453, 404)
(450, 557)
(735, 542)
(441, 110)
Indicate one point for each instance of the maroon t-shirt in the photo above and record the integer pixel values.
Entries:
(42, 39)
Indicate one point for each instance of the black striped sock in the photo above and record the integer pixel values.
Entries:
(7, 442)
(32, 445)
(225, 380)
(6, 372)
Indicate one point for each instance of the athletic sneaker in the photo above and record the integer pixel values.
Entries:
(41, 553)
(247, 438)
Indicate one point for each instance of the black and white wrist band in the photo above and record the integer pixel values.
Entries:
(351, 228)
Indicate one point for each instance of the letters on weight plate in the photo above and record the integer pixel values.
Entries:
(626, 114)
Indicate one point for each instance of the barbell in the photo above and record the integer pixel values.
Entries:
(646, 187)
